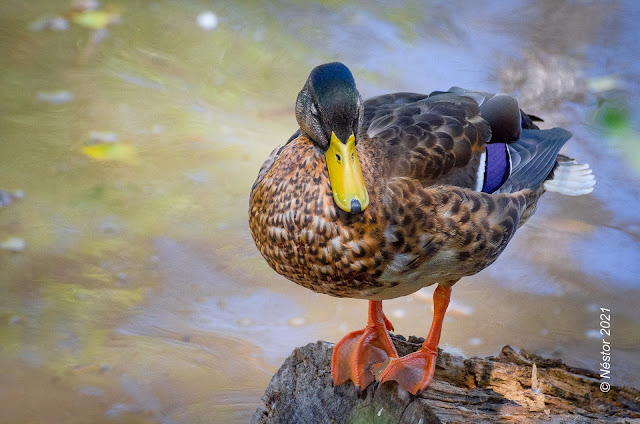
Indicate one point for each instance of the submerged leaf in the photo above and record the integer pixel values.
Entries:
(112, 152)
(56, 97)
(95, 19)
(13, 244)
(614, 118)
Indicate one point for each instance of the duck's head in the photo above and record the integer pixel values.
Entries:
(329, 111)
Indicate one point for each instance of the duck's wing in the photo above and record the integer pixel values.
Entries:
(532, 158)
(436, 139)
(520, 155)
(469, 139)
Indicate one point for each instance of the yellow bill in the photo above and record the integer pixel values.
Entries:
(345, 175)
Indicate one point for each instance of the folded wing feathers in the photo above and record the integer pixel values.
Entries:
(533, 157)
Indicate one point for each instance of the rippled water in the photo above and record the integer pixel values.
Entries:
(130, 288)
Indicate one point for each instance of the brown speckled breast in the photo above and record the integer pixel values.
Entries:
(304, 236)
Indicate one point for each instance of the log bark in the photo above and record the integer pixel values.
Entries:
(475, 390)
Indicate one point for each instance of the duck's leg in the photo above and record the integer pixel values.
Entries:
(358, 351)
(415, 371)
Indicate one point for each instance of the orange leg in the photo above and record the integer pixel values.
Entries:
(358, 351)
(414, 372)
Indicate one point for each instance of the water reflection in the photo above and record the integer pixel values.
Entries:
(131, 290)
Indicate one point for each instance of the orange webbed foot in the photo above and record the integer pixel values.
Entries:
(413, 372)
(358, 351)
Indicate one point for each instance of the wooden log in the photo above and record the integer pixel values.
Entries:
(514, 387)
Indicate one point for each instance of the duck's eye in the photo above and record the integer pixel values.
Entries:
(314, 110)
(338, 158)
(353, 157)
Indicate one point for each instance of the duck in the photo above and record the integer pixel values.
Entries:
(377, 199)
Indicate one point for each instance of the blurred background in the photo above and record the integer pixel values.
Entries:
(131, 133)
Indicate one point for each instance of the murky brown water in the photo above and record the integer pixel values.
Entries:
(130, 288)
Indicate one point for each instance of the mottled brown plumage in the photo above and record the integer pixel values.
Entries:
(424, 224)
(445, 197)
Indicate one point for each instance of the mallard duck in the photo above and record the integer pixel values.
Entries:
(377, 199)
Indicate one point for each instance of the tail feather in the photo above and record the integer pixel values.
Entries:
(571, 178)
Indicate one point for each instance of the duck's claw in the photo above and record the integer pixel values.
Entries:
(387, 323)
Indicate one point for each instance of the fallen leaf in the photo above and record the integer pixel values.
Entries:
(119, 152)
(95, 19)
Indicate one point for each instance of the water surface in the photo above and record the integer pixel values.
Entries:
(130, 288)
